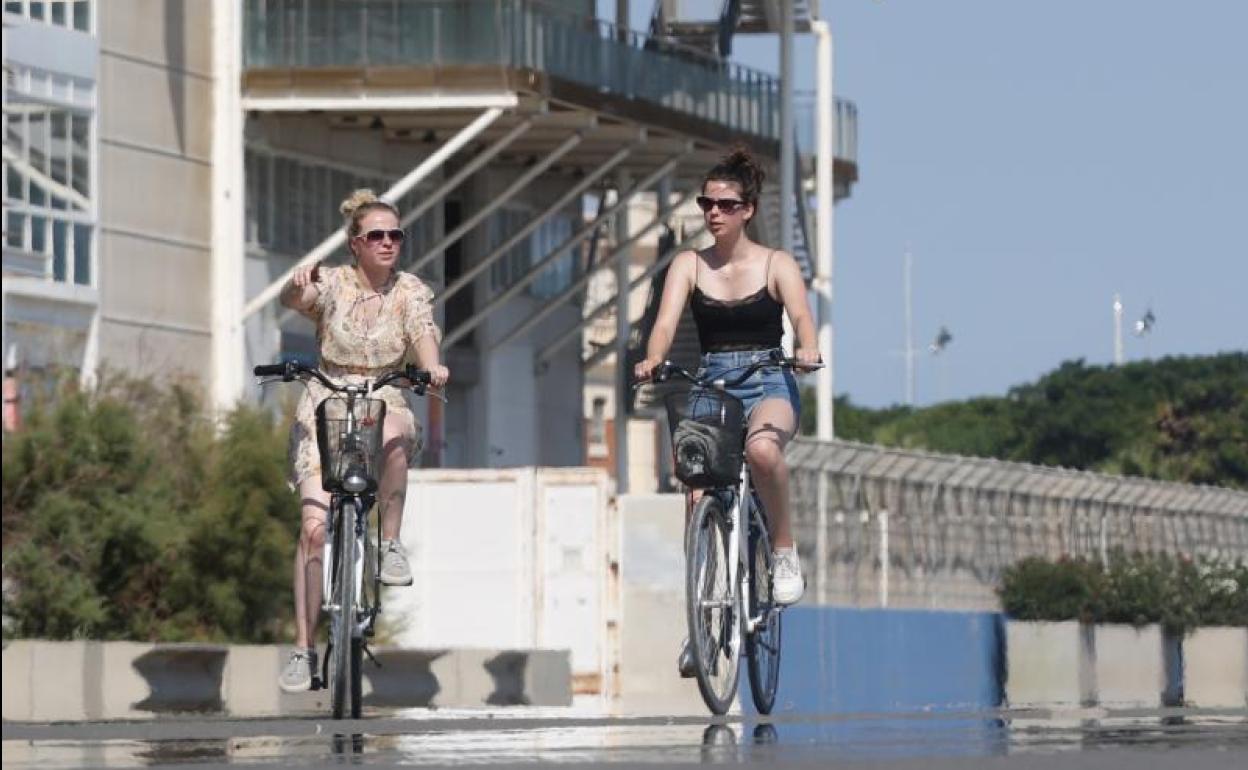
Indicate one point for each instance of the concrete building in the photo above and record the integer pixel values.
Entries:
(168, 162)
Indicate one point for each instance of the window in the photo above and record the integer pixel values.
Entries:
(70, 14)
(598, 422)
(49, 214)
(544, 240)
(292, 202)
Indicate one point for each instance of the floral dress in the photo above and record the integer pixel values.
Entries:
(358, 344)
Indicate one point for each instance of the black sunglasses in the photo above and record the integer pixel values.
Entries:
(377, 236)
(726, 205)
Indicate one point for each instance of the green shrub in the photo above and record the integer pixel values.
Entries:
(1038, 589)
(128, 515)
(1136, 589)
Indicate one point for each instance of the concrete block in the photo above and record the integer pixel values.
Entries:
(1215, 667)
(182, 678)
(112, 686)
(250, 687)
(1130, 665)
(1049, 664)
(56, 671)
(17, 673)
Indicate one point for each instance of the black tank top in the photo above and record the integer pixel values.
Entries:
(751, 323)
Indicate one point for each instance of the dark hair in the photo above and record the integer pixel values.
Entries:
(738, 166)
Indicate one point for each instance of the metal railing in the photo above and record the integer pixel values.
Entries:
(521, 34)
(891, 527)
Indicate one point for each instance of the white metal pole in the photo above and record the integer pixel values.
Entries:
(228, 283)
(909, 316)
(1119, 357)
(825, 223)
(787, 180)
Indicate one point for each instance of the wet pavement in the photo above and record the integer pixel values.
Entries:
(1187, 739)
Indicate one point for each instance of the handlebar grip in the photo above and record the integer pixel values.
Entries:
(270, 370)
(418, 376)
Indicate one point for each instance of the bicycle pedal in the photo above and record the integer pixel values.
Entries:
(317, 684)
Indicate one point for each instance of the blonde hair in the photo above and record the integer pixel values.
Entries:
(359, 203)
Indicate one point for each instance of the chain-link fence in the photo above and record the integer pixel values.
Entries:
(891, 527)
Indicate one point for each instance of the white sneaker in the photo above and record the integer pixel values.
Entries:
(395, 570)
(297, 676)
(787, 583)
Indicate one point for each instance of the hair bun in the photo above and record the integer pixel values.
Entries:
(355, 200)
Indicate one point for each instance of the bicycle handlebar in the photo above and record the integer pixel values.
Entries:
(419, 379)
(667, 369)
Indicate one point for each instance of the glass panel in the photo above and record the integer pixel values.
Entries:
(14, 184)
(39, 235)
(82, 254)
(59, 249)
(13, 7)
(14, 229)
(36, 9)
(37, 140)
(38, 197)
(82, 15)
(58, 13)
(80, 174)
(59, 149)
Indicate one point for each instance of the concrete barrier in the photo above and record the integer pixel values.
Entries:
(1135, 666)
(1215, 667)
(66, 681)
(1049, 664)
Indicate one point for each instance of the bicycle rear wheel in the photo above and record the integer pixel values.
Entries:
(711, 604)
(762, 646)
(341, 674)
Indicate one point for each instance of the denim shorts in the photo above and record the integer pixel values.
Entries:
(768, 382)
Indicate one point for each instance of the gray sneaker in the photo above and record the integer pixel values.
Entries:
(395, 571)
(297, 676)
(787, 585)
(684, 662)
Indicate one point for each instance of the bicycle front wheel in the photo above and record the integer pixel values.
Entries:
(762, 646)
(711, 604)
(341, 674)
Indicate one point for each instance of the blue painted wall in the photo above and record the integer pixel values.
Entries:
(868, 660)
(855, 661)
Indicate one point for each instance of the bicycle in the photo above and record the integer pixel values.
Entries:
(728, 578)
(348, 436)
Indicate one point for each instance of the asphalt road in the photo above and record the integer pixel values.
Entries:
(1173, 738)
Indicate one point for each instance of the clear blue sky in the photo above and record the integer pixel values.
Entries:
(1038, 157)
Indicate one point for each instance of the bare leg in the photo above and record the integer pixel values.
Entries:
(309, 557)
(392, 487)
(772, 425)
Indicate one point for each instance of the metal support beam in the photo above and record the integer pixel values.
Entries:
(787, 158)
(622, 258)
(607, 349)
(228, 280)
(557, 301)
(459, 332)
(515, 187)
(469, 168)
(400, 188)
(379, 103)
(825, 223)
(499, 251)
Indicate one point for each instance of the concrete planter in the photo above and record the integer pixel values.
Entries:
(1049, 664)
(1215, 667)
(1136, 666)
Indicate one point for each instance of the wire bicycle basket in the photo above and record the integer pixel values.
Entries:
(350, 445)
(706, 427)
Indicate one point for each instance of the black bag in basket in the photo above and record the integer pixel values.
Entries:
(706, 437)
